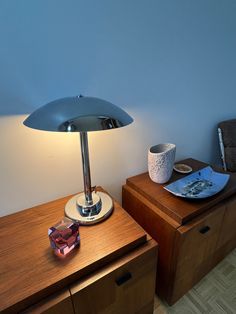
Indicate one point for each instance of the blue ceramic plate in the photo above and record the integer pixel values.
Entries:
(200, 184)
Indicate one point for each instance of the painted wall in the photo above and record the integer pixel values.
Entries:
(170, 64)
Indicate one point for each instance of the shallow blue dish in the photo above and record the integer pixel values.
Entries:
(200, 184)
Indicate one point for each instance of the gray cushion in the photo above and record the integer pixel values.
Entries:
(228, 129)
(230, 158)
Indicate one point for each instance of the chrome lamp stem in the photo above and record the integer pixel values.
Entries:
(90, 206)
(86, 168)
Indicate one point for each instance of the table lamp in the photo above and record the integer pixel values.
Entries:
(82, 114)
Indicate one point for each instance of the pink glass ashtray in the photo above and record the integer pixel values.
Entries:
(64, 236)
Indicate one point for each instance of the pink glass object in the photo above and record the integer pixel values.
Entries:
(64, 236)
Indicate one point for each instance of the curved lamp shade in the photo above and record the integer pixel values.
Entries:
(78, 114)
(82, 114)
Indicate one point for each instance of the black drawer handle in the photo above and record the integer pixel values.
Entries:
(123, 279)
(204, 229)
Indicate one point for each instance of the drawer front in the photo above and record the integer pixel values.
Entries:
(126, 286)
(58, 303)
(196, 243)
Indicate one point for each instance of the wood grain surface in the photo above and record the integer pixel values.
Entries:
(160, 226)
(30, 271)
(192, 236)
(178, 208)
(136, 295)
(194, 250)
(58, 303)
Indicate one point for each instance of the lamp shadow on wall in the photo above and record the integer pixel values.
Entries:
(11, 106)
(20, 101)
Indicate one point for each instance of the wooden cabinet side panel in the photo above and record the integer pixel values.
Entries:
(228, 230)
(227, 239)
(99, 293)
(160, 229)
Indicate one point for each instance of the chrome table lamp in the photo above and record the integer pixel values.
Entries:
(82, 114)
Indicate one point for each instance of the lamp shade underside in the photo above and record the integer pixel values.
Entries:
(78, 114)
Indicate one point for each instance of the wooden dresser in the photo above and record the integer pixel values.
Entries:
(193, 236)
(113, 270)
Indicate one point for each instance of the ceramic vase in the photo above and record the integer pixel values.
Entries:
(161, 160)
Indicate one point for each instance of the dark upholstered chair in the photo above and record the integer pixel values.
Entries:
(227, 140)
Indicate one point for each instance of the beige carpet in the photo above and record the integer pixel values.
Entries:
(215, 293)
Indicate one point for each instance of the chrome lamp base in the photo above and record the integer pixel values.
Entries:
(78, 209)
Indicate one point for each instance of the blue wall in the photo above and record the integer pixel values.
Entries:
(171, 64)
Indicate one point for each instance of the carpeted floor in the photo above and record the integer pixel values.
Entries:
(215, 293)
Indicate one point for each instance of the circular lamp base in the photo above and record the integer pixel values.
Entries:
(72, 210)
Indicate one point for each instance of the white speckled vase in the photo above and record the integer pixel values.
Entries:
(161, 160)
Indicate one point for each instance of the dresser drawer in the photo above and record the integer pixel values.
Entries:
(196, 242)
(58, 303)
(125, 286)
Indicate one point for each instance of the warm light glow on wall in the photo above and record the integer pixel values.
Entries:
(36, 165)
(39, 166)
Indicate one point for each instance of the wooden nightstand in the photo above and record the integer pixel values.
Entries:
(193, 236)
(113, 270)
